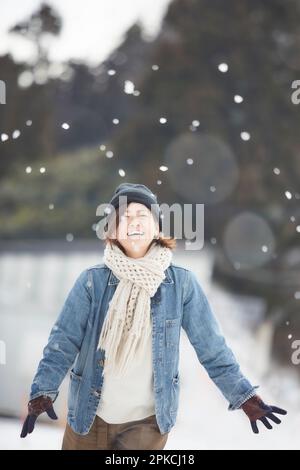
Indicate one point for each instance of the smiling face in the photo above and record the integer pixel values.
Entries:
(136, 230)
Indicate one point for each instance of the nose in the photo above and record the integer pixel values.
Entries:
(134, 224)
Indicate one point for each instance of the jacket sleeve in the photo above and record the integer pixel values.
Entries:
(64, 341)
(213, 353)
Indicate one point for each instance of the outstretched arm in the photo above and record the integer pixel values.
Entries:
(60, 352)
(211, 348)
(219, 361)
(64, 341)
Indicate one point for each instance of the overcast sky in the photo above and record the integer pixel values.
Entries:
(91, 28)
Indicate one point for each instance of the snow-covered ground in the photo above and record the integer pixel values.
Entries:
(43, 437)
(203, 420)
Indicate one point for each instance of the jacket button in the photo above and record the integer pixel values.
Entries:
(101, 362)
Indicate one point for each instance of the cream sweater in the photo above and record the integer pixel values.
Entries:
(131, 397)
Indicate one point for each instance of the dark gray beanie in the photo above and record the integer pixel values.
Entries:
(137, 193)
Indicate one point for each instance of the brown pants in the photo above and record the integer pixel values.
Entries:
(134, 435)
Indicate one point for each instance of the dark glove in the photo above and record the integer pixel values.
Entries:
(36, 407)
(255, 409)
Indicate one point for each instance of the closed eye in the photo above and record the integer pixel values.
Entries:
(142, 215)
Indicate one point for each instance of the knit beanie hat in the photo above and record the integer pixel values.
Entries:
(138, 193)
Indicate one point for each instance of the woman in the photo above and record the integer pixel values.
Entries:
(119, 330)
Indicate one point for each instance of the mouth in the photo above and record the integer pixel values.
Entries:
(134, 233)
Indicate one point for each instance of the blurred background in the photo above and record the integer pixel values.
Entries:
(193, 99)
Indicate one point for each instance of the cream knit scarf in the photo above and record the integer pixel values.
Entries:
(127, 322)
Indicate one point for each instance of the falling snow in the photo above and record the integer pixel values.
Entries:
(245, 135)
(223, 67)
(128, 87)
(288, 195)
(238, 99)
(16, 133)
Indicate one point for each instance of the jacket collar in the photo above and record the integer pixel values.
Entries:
(112, 279)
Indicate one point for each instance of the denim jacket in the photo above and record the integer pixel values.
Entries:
(179, 302)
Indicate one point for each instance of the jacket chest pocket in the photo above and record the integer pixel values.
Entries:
(172, 332)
